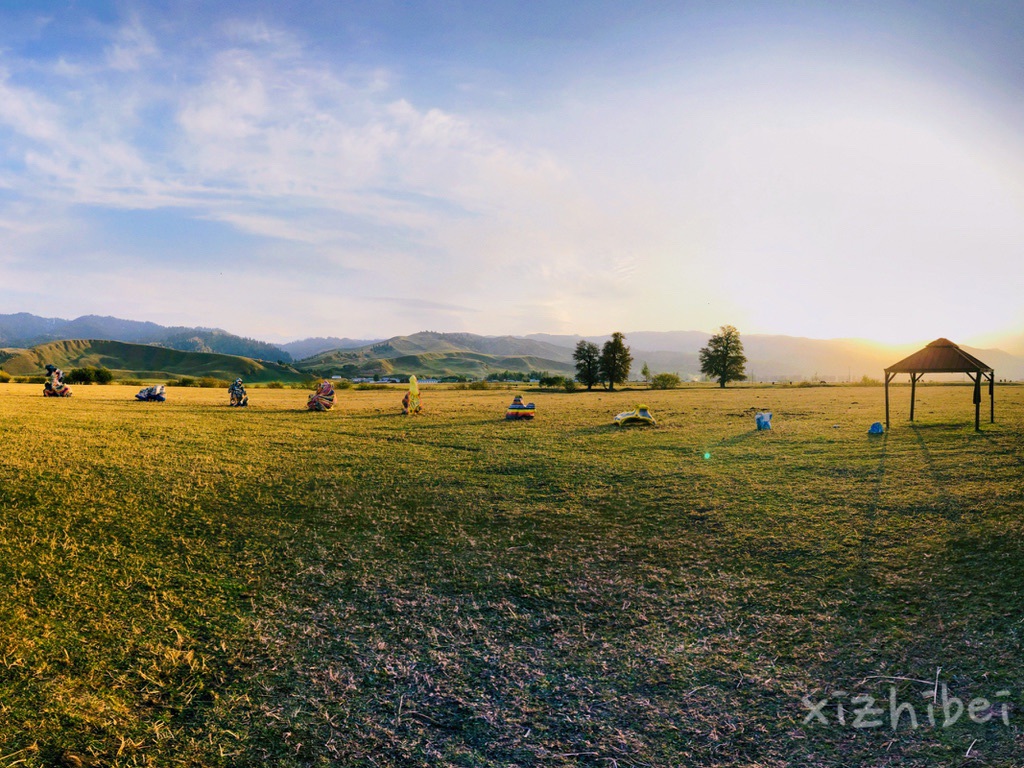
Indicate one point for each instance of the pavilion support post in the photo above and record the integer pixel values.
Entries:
(913, 393)
(888, 378)
(977, 401)
(992, 397)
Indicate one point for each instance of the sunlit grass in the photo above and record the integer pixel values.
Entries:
(186, 583)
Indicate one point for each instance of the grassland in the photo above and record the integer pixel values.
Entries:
(189, 584)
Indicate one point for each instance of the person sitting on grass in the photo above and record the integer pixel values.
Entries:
(323, 398)
(238, 397)
(154, 394)
(407, 405)
(54, 385)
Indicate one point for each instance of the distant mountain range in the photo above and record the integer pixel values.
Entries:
(444, 354)
(23, 330)
(300, 350)
(769, 358)
(143, 361)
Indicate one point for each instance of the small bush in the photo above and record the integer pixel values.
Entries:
(665, 381)
(478, 385)
(212, 382)
(342, 384)
(184, 381)
(367, 386)
(4, 377)
(89, 375)
(274, 385)
(80, 376)
(130, 382)
(570, 385)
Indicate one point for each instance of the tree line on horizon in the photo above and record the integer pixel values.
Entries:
(721, 359)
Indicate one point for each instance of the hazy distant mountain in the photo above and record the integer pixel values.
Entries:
(1013, 344)
(666, 341)
(300, 350)
(23, 330)
(781, 358)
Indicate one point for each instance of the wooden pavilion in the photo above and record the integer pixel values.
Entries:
(943, 356)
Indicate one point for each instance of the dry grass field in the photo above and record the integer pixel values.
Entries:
(186, 584)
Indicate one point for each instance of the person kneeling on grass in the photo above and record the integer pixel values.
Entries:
(238, 397)
(54, 385)
(408, 407)
(154, 394)
(323, 398)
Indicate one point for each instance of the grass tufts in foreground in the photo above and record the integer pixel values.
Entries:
(188, 584)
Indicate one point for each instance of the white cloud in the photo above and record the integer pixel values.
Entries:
(27, 112)
(132, 47)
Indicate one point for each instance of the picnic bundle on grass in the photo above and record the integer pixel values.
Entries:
(943, 356)
(639, 415)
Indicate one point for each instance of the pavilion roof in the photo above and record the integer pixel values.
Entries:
(941, 356)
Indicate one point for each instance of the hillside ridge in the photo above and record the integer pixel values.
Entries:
(141, 361)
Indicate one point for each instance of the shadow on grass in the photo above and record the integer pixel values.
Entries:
(707, 447)
(949, 508)
(862, 577)
(611, 428)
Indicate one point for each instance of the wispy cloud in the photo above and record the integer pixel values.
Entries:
(132, 47)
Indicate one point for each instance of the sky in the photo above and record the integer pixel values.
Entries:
(366, 169)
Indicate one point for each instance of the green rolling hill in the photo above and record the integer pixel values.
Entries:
(141, 361)
(442, 354)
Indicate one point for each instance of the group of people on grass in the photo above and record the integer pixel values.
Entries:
(54, 385)
(321, 400)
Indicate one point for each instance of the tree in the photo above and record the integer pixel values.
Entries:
(615, 360)
(665, 381)
(646, 373)
(723, 357)
(85, 375)
(588, 363)
(552, 381)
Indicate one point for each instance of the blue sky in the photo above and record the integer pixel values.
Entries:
(284, 169)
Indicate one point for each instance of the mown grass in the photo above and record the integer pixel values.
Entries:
(189, 584)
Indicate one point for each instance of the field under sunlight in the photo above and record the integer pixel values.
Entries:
(189, 584)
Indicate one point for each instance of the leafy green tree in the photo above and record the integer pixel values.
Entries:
(646, 373)
(588, 363)
(665, 381)
(85, 375)
(102, 375)
(615, 360)
(723, 357)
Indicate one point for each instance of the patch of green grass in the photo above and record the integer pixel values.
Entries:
(186, 583)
